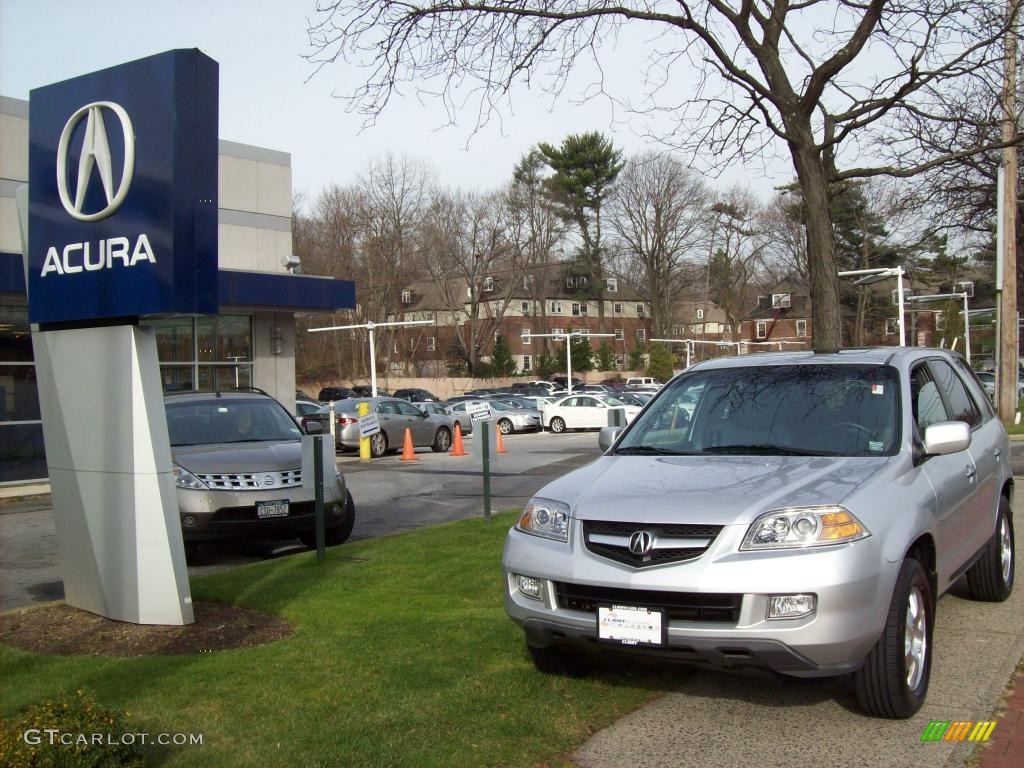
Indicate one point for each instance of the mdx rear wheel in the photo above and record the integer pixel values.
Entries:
(991, 578)
(893, 682)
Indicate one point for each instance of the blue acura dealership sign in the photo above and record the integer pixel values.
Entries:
(123, 192)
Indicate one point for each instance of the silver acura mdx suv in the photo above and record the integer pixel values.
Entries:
(797, 512)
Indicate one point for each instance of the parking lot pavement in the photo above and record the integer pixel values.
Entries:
(725, 720)
(390, 496)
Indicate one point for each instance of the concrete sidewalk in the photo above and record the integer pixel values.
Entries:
(724, 720)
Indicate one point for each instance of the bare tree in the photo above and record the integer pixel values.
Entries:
(768, 73)
(738, 251)
(660, 216)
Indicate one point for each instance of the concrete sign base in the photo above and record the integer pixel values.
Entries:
(109, 460)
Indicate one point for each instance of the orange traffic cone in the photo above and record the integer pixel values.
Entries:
(501, 442)
(457, 448)
(408, 452)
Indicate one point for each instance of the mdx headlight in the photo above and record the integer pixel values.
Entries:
(543, 517)
(804, 527)
(185, 479)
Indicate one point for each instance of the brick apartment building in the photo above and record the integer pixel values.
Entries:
(513, 305)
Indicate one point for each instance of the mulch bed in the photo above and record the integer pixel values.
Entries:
(60, 630)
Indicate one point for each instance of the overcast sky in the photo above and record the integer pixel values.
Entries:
(265, 99)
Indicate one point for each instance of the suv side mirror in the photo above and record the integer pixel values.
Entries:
(946, 437)
(608, 436)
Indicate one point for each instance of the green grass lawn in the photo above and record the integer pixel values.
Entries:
(402, 656)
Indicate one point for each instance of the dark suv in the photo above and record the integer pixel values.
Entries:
(416, 395)
(335, 393)
(238, 472)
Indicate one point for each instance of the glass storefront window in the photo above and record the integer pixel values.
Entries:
(205, 353)
(224, 377)
(227, 338)
(15, 338)
(19, 397)
(175, 340)
(22, 456)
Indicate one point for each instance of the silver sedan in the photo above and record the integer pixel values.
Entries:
(395, 417)
(507, 418)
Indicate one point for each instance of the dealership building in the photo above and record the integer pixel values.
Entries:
(250, 342)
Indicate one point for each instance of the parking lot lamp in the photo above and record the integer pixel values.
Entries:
(869, 276)
(373, 354)
(568, 337)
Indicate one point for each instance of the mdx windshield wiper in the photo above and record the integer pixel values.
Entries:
(765, 448)
(649, 450)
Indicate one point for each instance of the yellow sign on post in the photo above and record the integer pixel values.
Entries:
(364, 442)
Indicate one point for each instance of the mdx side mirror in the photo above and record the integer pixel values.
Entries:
(946, 437)
(608, 436)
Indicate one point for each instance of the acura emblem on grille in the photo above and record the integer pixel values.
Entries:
(641, 542)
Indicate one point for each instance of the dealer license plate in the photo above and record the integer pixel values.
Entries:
(630, 625)
(266, 509)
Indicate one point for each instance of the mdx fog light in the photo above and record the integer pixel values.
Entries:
(790, 606)
(543, 517)
(804, 527)
(528, 586)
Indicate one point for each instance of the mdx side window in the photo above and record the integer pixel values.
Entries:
(926, 401)
(959, 400)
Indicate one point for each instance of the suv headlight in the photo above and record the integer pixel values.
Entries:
(543, 517)
(803, 527)
(185, 479)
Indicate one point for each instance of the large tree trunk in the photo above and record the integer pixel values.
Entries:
(821, 249)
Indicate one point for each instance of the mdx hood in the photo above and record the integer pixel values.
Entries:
(235, 458)
(710, 490)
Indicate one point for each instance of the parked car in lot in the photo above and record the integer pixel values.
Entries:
(443, 409)
(804, 517)
(988, 380)
(327, 394)
(642, 381)
(507, 418)
(583, 412)
(365, 390)
(428, 430)
(416, 396)
(238, 472)
(306, 406)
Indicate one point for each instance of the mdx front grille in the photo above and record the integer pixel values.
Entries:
(663, 542)
(252, 481)
(678, 606)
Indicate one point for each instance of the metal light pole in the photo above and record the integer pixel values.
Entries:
(869, 276)
(568, 349)
(373, 353)
(967, 317)
(690, 342)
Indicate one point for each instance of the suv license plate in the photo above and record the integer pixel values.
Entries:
(266, 509)
(630, 625)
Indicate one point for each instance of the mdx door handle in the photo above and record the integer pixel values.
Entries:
(997, 453)
(971, 472)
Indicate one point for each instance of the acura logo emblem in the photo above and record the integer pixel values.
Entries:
(95, 156)
(641, 542)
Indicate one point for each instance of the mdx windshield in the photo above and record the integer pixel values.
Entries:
(782, 410)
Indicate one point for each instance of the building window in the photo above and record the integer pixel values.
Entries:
(579, 310)
(204, 353)
(781, 300)
(412, 344)
(527, 363)
(619, 334)
(524, 306)
(966, 286)
(488, 284)
(583, 331)
(700, 314)
(525, 336)
(557, 331)
(677, 330)
(617, 309)
(639, 310)
(21, 428)
(576, 281)
(612, 285)
(407, 297)
(620, 361)
(528, 282)
(641, 335)
(555, 308)
(940, 321)
(892, 326)
(801, 329)
(431, 344)
(761, 330)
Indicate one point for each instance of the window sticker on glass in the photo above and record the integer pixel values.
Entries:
(875, 445)
(877, 389)
(221, 409)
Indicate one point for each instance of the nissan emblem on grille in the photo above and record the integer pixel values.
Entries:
(268, 480)
(641, 542)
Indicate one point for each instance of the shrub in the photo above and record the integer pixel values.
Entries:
(75, 715)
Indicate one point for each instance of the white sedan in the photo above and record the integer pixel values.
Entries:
(583, 412)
